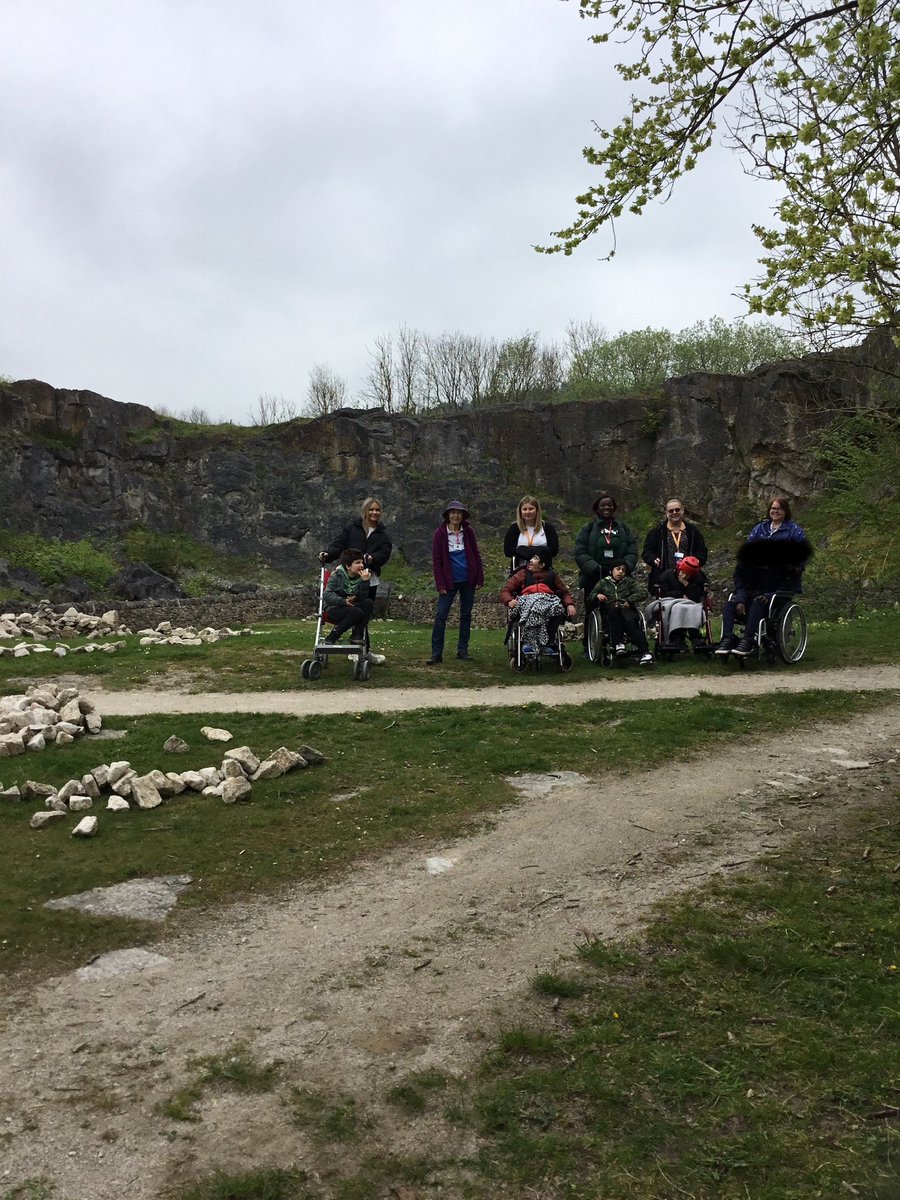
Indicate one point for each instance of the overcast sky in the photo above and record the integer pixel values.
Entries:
(201, 199)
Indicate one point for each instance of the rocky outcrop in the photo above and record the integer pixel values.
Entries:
(95, 468)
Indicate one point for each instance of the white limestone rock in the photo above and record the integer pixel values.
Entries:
(175, 745)
(80, 803)
(212, 734)
(117, 804)
(144, 792)
(245, 756)
(86, 827)
(235, 789)
(11, 744)
(116, 771)
(40, 820)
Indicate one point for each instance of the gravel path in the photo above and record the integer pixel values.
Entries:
(311, 700)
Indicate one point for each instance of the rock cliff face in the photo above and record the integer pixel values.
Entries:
(76, 464)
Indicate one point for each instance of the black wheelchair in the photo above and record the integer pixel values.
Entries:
(526, 657)
(599, 644)
(782, 633)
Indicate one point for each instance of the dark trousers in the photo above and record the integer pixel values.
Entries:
(349, 616)
(466, 593)
(756, 610)
(624, 626)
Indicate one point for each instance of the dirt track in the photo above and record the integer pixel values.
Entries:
(391, 969)
(310, 699)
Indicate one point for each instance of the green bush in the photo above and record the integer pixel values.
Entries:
(53, 560)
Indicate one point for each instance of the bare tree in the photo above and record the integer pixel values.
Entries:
(409, 369)
(325, 392)
(380, 385)
(272, 410)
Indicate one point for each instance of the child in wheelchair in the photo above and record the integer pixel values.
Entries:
(345, 601)
(680, 610)
(539, 600)
(617, 597)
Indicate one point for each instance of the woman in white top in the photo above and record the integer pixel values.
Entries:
(529, 532)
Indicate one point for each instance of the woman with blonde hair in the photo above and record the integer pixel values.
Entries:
(530, 532)
(367, 535)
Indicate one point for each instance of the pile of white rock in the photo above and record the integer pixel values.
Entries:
(165, 634)
(231, 782)
(46, 624)
(44, 714)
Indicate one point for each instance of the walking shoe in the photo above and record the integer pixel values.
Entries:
(743, 648)
(377, 659)
(464, 655)
(527, 648)
(620, 648)
(552, 651)
(646, 660)
(433, 661)
(726, 645)
(331, 639)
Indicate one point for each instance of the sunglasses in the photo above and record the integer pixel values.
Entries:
(671, 511)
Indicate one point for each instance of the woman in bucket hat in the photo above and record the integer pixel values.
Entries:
(458, 569)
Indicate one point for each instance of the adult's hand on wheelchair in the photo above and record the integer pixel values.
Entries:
(741, 610)
(571, 612)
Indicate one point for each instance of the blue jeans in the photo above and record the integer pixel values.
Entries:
(466, 593)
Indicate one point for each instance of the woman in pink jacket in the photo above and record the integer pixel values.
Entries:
(458, 569)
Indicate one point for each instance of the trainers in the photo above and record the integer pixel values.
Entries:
(726, 645)
(551, 651)
(377, 659)
(646, 660)
(743, 648)
(527, 648)
(620, 648)
(464, 655)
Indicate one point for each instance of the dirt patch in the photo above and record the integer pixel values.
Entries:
(390, 970)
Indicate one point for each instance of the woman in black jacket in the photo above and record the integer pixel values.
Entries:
(369, 536)
(529, 532)
(669, 542)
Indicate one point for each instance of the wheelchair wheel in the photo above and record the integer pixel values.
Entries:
(792, 634)
(314, 669)
(595, 636)
(516, 657)
(565, 660)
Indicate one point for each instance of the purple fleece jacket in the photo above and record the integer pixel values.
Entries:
(440, 558)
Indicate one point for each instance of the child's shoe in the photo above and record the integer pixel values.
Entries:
(646, 659)
(620, 648)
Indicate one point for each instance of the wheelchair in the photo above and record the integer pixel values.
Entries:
(357, 653)
(599, 644)
(664, 651)
(782, 633)
(525, 657)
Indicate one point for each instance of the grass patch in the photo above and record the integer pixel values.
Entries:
(274, 1183)
(293, 831)
(746, 1046)
(270, 661)
(327, 1118)
(416, 1090)
(235, 1069)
